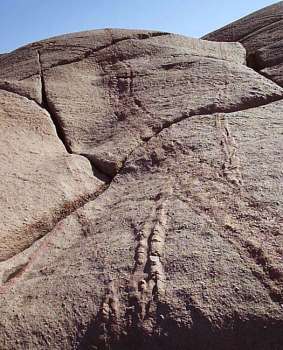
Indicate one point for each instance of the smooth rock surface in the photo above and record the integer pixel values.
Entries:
(261, 33)
(172, 239)
(40, 181)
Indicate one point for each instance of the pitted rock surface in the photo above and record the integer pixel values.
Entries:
(141, 192)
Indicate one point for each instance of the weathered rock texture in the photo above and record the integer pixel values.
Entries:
(141, 195)
(261, 34)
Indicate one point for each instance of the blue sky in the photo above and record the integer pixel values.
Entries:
(25, 21)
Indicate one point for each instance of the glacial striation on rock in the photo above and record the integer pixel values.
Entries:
(141, 190)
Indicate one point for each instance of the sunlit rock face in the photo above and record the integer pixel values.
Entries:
(141, 190)
(262, 36)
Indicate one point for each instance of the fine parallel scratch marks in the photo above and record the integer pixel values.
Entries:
(93, 51)
(268, 275)
(231, 162)
(105, 328)
(110, 314)
(53, 228)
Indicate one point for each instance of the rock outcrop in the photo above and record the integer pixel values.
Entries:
(141, 191)
(261, 35)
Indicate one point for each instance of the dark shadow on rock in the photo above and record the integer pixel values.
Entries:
(237, 334)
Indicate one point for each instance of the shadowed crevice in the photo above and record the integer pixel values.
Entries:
(238, 333)
(47, 106)
(253, 63)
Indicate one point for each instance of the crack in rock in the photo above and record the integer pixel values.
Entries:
(46, 105)
(100, 48)
(202, 111)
